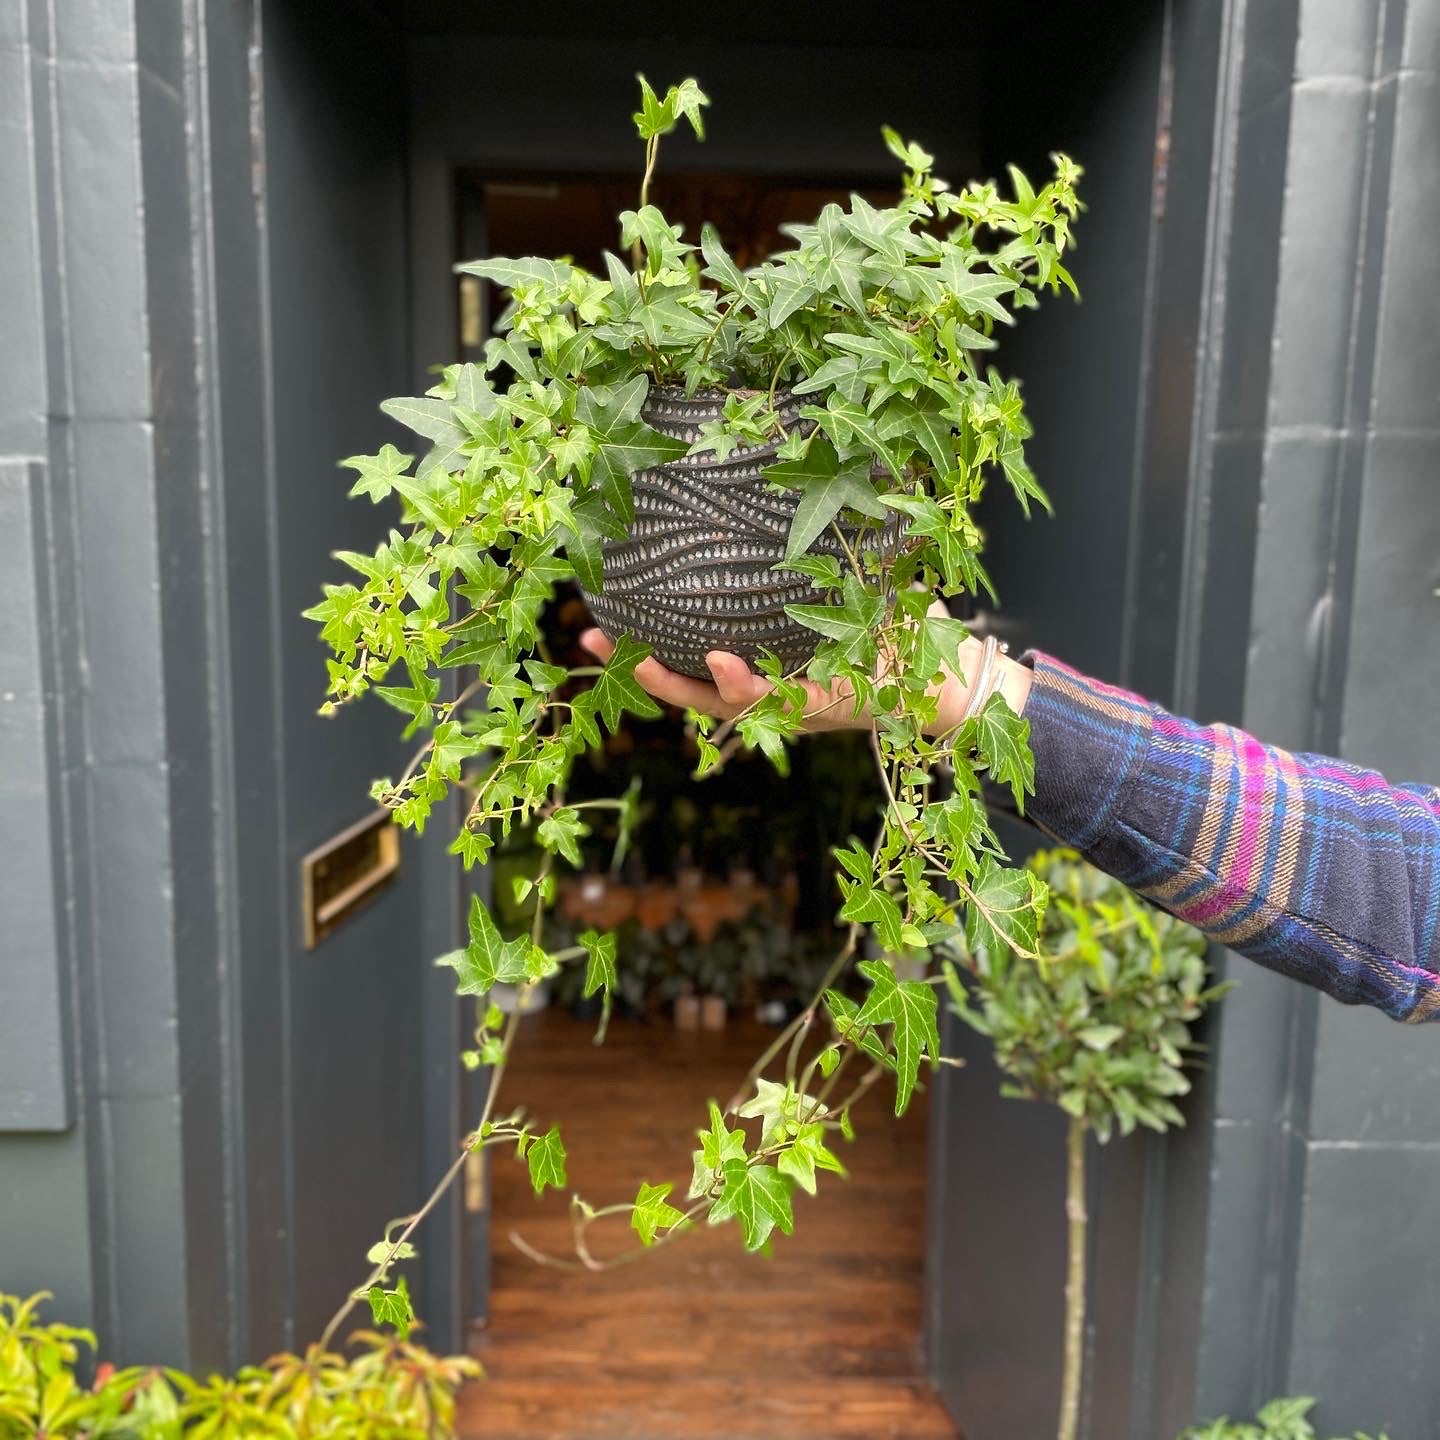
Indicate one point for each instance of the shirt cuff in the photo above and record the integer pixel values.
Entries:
(1090, 741)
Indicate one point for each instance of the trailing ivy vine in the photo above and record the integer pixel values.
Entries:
(882, 321)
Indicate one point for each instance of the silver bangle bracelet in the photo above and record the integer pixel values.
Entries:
(988, 678)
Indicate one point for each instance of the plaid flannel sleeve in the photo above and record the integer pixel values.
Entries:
(1316, 868)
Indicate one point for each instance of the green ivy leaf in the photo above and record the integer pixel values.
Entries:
(852, 623)
(1004, 910)
(826, 487)
(846, 1014)
(659, 117)
(511, 274)
(616, 689)
(718, 1145)
(600, 971)
(766, 727)
(806, 1154)
(756, 1195)
(378, 473)
(909, 1008)
(623, 443)
(426, 416)
(488, 959)
(393, 1307)
(1003, 740)
(380, 1252)
(546, 1158)
(562, 832)
(652, 1212)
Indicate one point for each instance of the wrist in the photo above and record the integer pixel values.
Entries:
(1006, 677)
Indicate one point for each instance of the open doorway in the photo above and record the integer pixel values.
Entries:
(724, 907)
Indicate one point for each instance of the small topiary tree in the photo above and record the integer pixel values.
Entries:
(1279, 1420)
(1097, 1023)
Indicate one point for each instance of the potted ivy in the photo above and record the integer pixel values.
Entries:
(783, 461)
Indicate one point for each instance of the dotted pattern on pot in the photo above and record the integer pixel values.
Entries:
(695, 573)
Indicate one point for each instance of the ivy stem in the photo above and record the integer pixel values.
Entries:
(1074, 1281)
(797, 1024)
(637, 251)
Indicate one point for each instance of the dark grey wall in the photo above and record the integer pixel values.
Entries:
(1362, 404)
(202, 1128)
(1281, 553)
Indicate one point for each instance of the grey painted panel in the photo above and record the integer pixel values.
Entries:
(22, 357)
(337, 267)
(1254, 1059)
(1394, 674)
(150, 1260)
(45, 1236)
(1377, 1083)
(1337, 38)
(1242, 1346)
(262, 926)
(35, 1076)
(1422, 36)
(996, 1257)
(1292, 579)
(103, 237)
(120, 589)
(196, 706)
(1367, 1306)
(1407, 392)
(99, 31)
(1324, 183)
(1177, 280)
(135, 945)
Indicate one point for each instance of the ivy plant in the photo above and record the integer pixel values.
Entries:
(1097, 1022)
(883, 321)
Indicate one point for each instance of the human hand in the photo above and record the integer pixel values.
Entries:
(733, 688)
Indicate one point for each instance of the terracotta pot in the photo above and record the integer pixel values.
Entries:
(712, 1012)
(687, 1012)
(694, 574)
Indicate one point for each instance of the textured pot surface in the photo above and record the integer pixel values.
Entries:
(695, 573)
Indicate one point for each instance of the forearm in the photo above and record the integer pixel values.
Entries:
(1313, 867)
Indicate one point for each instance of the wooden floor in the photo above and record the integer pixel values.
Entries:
(698, 1339)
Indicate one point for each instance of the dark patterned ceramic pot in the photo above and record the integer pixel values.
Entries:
(695, 573)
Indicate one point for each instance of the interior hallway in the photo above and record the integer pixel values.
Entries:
(698, 1339)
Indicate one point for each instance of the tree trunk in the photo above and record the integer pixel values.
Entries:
(1074, 1282)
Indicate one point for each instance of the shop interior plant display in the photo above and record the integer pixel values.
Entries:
(855, 415)
(1096, 1022)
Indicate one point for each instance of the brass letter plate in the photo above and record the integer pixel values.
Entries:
(338, 877)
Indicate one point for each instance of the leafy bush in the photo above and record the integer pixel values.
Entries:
(1098, 1022)
(1279, 1420)
(393, 1389)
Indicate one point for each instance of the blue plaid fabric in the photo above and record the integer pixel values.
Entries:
(1316, 868)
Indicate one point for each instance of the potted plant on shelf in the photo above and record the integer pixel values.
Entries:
(782, 461)
(718, 979)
